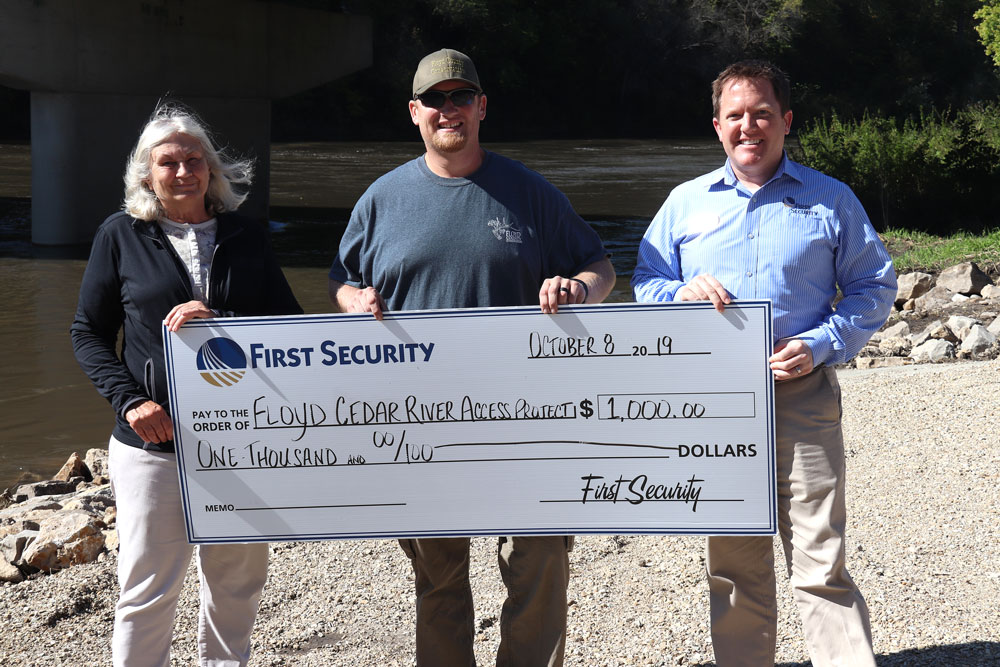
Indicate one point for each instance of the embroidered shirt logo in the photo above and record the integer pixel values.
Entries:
(504, 230)
(801, 209)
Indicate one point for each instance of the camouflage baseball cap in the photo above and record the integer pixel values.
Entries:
(444, 65)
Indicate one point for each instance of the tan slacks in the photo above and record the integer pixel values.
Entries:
(535, 571)
(811, 523)
(152, 562)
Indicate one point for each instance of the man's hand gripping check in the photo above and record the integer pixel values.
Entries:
(792, 357)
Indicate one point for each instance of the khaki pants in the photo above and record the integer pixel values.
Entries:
(811, 522)
(153, 559)
(535, 571)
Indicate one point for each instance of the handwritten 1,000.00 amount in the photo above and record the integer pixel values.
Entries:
(268, 415)
(621, 407)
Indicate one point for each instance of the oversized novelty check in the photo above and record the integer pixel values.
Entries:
(616, 418)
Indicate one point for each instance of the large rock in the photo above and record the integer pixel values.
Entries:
(933, 350)
(880, 362)
(939, 331)
(912, 285)
(38, 489)
(994, 327)
(869, 350)
(895, 346)
(111, 539)
(11, 529)
(897, 330)
(21, 510)
(936, 298)
(32, 519)
(10, 573)
(95, 501)
(917, 339)
(67, 538)
(74, 467)
(960, 325)
(97, 462)
(990, 292)
(12, 546)
(978, 340)
(965, 278)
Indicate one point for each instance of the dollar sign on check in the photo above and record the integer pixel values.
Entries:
(585, 408)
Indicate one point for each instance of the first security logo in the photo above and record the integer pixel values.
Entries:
(222, 362)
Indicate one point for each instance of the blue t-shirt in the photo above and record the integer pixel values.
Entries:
(424, 241)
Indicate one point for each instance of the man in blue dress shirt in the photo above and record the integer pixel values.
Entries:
(765, 227)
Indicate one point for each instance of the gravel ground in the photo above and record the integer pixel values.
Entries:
(924, 546)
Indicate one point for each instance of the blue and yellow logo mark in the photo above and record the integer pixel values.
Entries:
(222, 362)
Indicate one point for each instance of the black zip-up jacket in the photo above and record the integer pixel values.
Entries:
(134, 278)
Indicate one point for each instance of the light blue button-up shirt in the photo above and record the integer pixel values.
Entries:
(793, 241)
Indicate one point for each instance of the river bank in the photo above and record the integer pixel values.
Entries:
(923, 544)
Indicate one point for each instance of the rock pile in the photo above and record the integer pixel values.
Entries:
(952, 317)
(54, 524)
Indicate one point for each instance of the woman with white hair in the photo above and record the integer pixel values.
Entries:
(178, 251)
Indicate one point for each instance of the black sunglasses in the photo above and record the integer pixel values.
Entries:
(461, 97)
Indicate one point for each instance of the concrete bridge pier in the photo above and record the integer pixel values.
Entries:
(96, 70)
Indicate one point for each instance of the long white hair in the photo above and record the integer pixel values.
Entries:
(229, 179)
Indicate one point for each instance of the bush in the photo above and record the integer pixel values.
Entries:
(936, 173)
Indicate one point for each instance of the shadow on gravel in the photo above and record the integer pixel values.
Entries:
(972, 654)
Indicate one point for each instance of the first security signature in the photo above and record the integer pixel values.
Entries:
(639, 489)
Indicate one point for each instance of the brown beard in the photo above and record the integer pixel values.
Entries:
(449, 143)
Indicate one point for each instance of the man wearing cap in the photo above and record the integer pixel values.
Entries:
(462, 227)
(764, 227)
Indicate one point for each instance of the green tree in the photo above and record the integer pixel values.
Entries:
(641, 68)
(888, 57)
(750, 27)
(989, 28)
(935, 172)
(562, 68)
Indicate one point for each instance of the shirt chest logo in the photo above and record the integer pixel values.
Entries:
(505, 230)
(799, 208)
